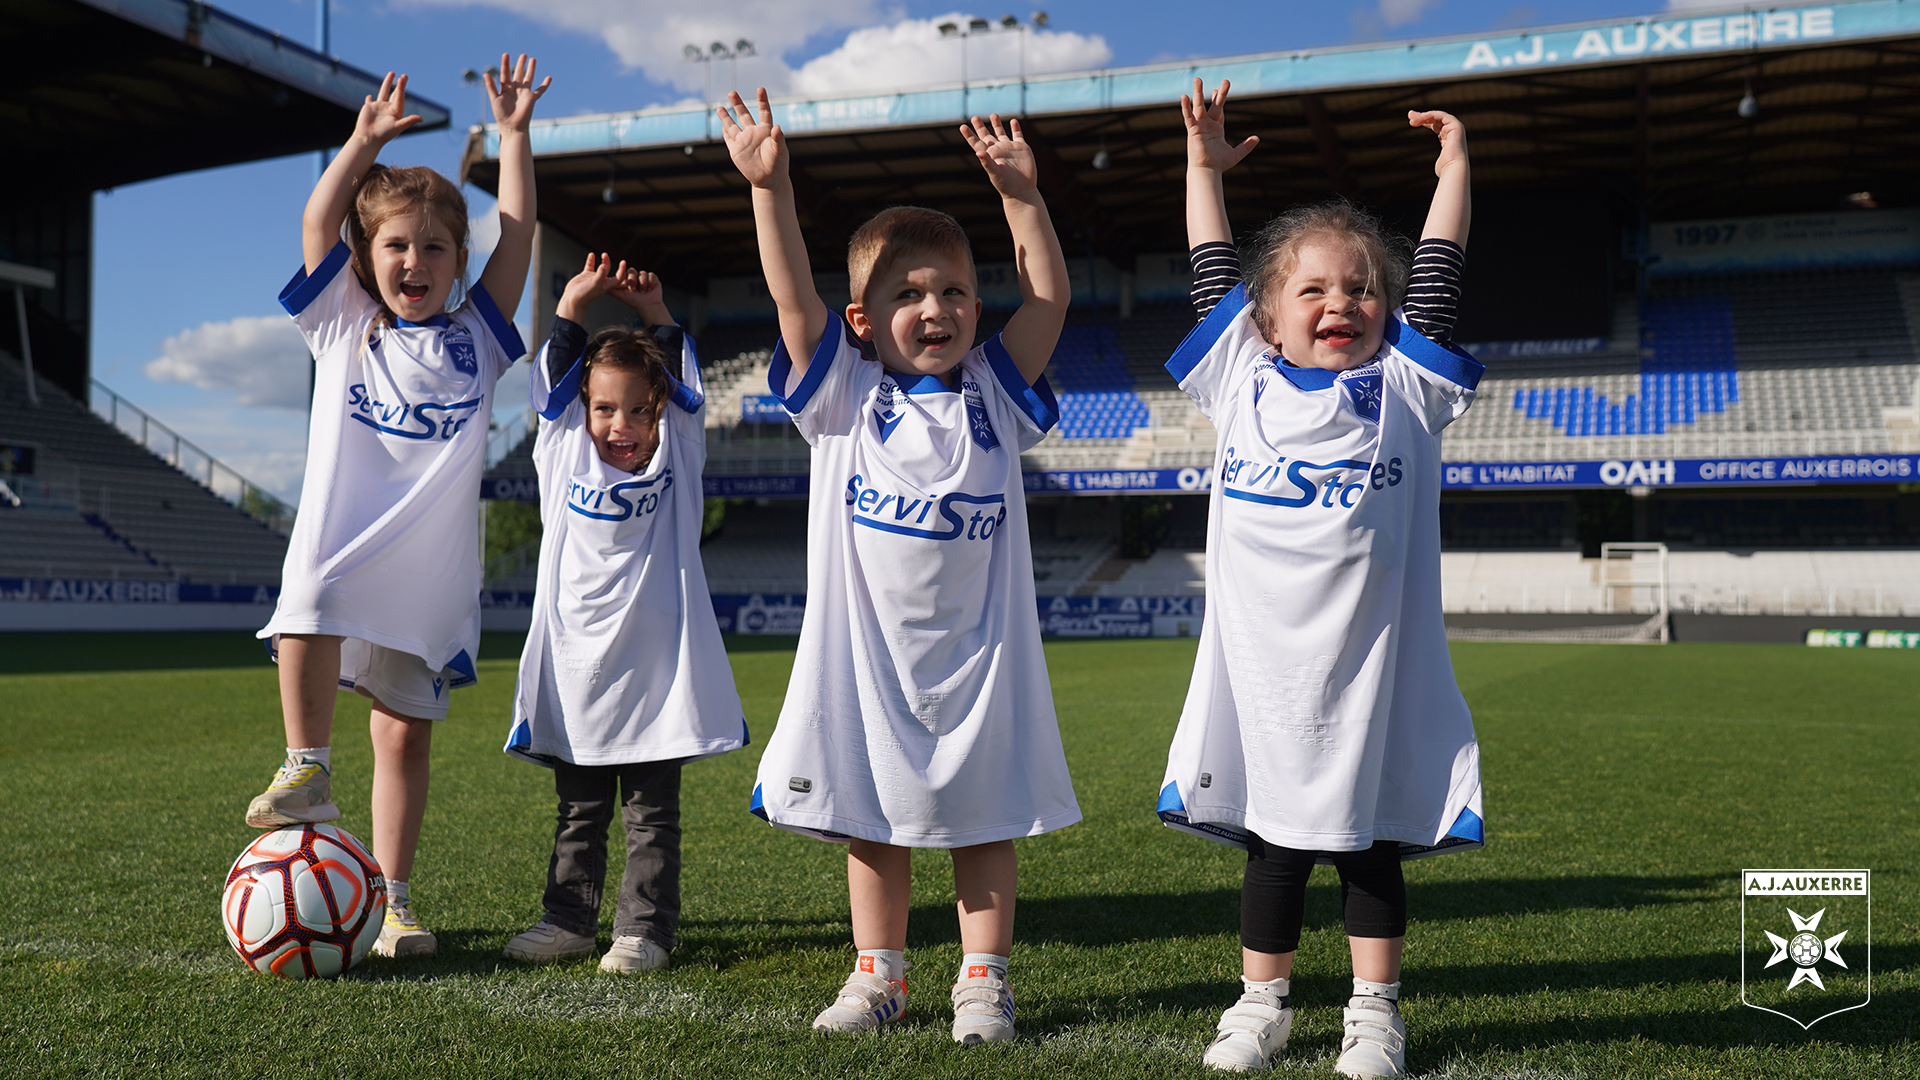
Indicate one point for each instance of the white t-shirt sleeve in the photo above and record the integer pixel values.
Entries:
(1209, 363)
(1033, 403)
(826, 399)
(506, 337)
(1438, 381)
(548, 397)
(328, 304)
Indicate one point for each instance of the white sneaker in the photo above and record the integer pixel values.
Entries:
(301, 793)
(402, 935)
(1252, 1032)
(546, 943)
(1375, 1044)
(864, 1003)
(633, 953)
(982, 1010)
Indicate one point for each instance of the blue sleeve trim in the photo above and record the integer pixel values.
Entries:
(682, 395)
(782, 367)
(1450, 362)
(1036, 402)
(305, 288)
(502, 327)
(1201, 339)
(678, 344)
(563, 392)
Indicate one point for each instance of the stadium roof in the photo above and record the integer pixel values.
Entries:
(1640, 114)
(108, 92)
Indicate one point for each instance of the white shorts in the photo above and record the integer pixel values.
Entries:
(398, 680)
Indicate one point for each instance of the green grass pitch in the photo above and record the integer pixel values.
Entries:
(1597, 935)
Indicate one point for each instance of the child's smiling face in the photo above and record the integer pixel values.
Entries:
(622, 409)
(1328, 312)
(415, 263)
(920, 312)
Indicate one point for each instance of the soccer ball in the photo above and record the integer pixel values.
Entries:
(1805, 949)
(304, 902)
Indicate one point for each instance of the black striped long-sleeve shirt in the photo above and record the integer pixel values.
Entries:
(1432, 303)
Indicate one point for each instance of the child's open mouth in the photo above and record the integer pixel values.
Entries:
(1338, 337)
(935, 339)
(415, 293)
(622, 449)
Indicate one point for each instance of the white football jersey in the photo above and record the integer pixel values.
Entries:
(623, 661)
(919, 712)
(1323, 713)
(387, 544)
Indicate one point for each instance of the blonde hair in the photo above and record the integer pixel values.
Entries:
(896, 232)
(385, 193)
(1273, 253)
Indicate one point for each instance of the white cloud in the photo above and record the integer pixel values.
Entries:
(261, 358)
(912, 52)
(1401, 12)
(651, 34)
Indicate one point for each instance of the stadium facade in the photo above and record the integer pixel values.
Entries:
(1694, 276)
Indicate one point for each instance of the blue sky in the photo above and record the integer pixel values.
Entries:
(186, 268)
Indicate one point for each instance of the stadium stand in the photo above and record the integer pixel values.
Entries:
(1850, 583)
(102, 505)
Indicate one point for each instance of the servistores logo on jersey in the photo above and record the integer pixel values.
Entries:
(427, 420)
(627, 499)
(1303, 483)
(942, 518)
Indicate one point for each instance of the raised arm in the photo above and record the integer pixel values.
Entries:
(381, 118)
(513, 97)
(759, 151)
(642, 291)
(1208, 156)
(1034, 330)
(1452, 210)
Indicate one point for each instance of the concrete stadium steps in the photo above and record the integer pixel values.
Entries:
(161, 511)
(58, 543)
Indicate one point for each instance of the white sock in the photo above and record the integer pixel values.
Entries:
(1381, 991)
(889, 964)
(396, 894)
(975, 965)
(1277, 989)
(319, 755)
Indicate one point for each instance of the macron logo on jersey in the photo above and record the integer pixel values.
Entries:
(943, 518)
(427, 420)
(628, 499)
(1303, 483)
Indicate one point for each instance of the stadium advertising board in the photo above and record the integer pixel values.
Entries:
(1683, 472)
(114, 591)
(1785, 242)
(1060, 616)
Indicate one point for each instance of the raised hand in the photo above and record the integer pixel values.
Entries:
(1453, 136)
(759, 150)
(513, 94)
(636, 288)
(385, 115)
(1004, 153)
(1207, 145)
(595, 280)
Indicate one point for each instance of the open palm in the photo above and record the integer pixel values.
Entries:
(514, 93)
(758, 148)
(1207, 145)
(1004, 153)
(384, 115)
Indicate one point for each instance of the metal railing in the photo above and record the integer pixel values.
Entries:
(210, 472)
(507, 434)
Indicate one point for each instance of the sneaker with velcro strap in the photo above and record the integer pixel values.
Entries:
(402, 935)
(864, 1003)
(1375, 1042)
(982, 1010)
(1252, 1032)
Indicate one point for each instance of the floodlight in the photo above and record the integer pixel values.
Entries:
(1039, 18)
(979, 26)
(692, 52)
(1009, 21)
(718, 48)
(948, 29)
(1749, 105)
(743, 47)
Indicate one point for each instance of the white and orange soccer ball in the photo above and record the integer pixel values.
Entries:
(304, 902)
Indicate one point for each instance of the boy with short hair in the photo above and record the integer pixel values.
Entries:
(919, 714)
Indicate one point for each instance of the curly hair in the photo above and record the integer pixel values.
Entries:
(1273, 253)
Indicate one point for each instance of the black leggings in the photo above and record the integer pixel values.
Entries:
(1273, 901)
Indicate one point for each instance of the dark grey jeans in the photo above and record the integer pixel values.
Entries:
(648, 795)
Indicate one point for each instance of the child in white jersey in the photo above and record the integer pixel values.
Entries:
(380, 593)
(624, 677)
(1323, 723)
(919, 714)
